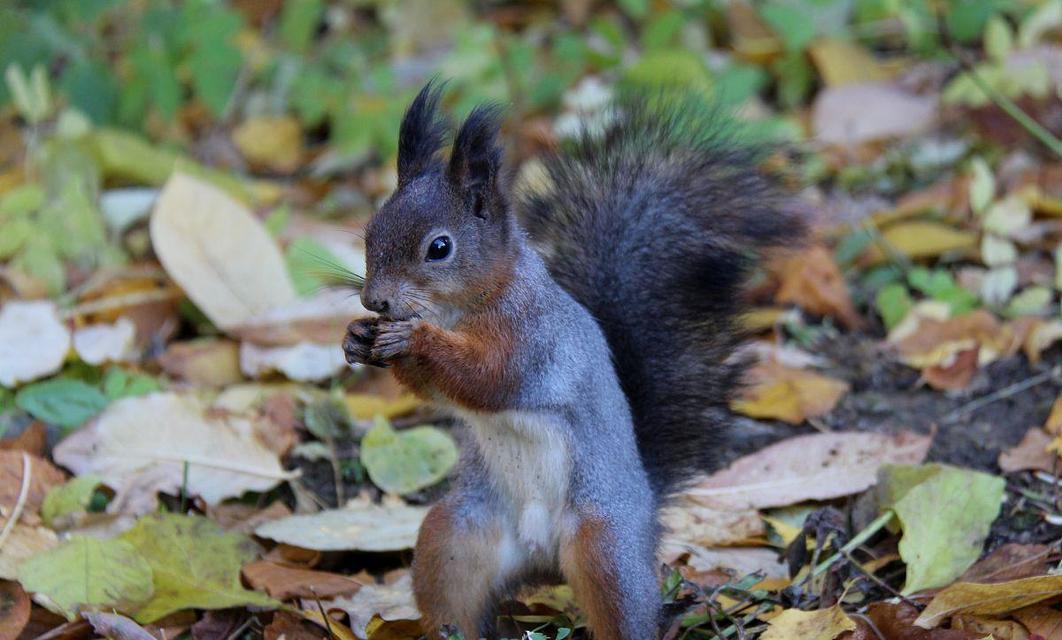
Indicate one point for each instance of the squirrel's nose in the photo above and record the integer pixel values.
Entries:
(375, 304)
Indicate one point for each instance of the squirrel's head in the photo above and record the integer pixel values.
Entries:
(444, 241)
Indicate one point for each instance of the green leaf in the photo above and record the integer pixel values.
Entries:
(119, 383)
(999, 40)
(25, 198)
(636, 9)
(945, 513)
(91, 87)
(68, 499)
(17, 231)
(196, 565)
(61, 401)
(663, 30)
(1033, 301)
(298, 21)
(38, 259)
(794, 25)
(89, 573)
(326, 419)
(893, 303)
(669, 68)
(966, 19)
(402, 462)
(940, 285)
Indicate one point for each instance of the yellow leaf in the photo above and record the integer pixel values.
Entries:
(988, 599)
(272, 142)
(843, 62)
(824, 624)
(339, 630)
(922, 240)
(792, 395)
(365, 406)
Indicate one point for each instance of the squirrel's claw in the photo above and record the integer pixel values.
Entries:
(392, 339)
(358, 342)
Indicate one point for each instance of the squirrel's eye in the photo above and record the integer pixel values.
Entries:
(439, 249)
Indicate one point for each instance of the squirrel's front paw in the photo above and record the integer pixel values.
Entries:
(392, 339)
(357, 344)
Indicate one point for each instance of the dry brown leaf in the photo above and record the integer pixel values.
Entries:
(785, 393)
(918, 239)
(393, 601)
(689, 525)
(895, 621)
(14, 610)
(288, 626)
(812, 280)
(219, 624)
(244, 518)
(924, 342)
(139, 446)
(812, 467)
(273, 142)
(842, 62)
(953, 375)
(218, 252)
(283, 582)
(44, 476)
(1029, 454)
(988, 599)
(1011, 561)
(823, 624)
(1053, 426)
(1042, 335)
(851, 114)
(210, 362)
(33, 440)
(997, 629)
(1041, 620)
(33, 341)
(380, 629)
(320, 319)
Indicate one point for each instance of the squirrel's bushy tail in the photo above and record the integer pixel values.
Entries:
(654, 226)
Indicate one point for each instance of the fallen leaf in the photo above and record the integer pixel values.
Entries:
(14, 610)
(43, 477)
(953, 375)
(389, 601)
(63, 402)
(116, 627)
(945, 513)
(779, 392)
(221, 624)
(1029, 454)
(211, 362)
(1041, 620)
(841, 62)
(1042, 336)
(33, 439)
(895, 621)
(288, 626)
(1012, 561)
(139, 458)
(823, 624)
(196, 565)
(97, 344)
(218, 252)
(812, 467)
(1053, 425)
(23, 542)
(361, 526)
(33, 341)
(918, 239)
(408, 460)
(319, 319)
(283, 582)
(64, 502)
(988, 628)
(929, 342)
(852, 114)
(303, 362)
(274, 142)
(244, 518)
(812, 280)
(336, 630)
(687, 525)
(380, 629)
(110, 574)
(366, 406)
(988, 599)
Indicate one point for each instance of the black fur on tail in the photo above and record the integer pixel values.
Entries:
(654, 226)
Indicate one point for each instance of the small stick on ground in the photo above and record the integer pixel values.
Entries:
(1002, 394)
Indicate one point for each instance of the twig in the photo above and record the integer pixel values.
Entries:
(877, 525)
(324, 616)
(23, 493)
(869, 623)
(876, 580)
(1003, 393)
(118, 302)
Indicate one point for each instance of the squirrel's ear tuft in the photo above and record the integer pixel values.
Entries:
(421, 135)
(475, 162)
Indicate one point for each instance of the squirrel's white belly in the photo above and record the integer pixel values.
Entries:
(527, 458)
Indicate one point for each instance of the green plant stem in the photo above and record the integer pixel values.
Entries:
(877, 525)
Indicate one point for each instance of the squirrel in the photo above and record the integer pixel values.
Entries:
(583, 333)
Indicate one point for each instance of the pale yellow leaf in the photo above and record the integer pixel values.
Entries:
(823, 624)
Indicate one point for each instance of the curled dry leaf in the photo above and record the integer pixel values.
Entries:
(989, 599)
(1031, 454)
(812, 467)
(361, 526)
(812, 280)
(1041, 620)
(392, 601)
(100, 343)
(784, 393)
(218, 252)
(14, 610)
(33, 341)
(140, 445)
